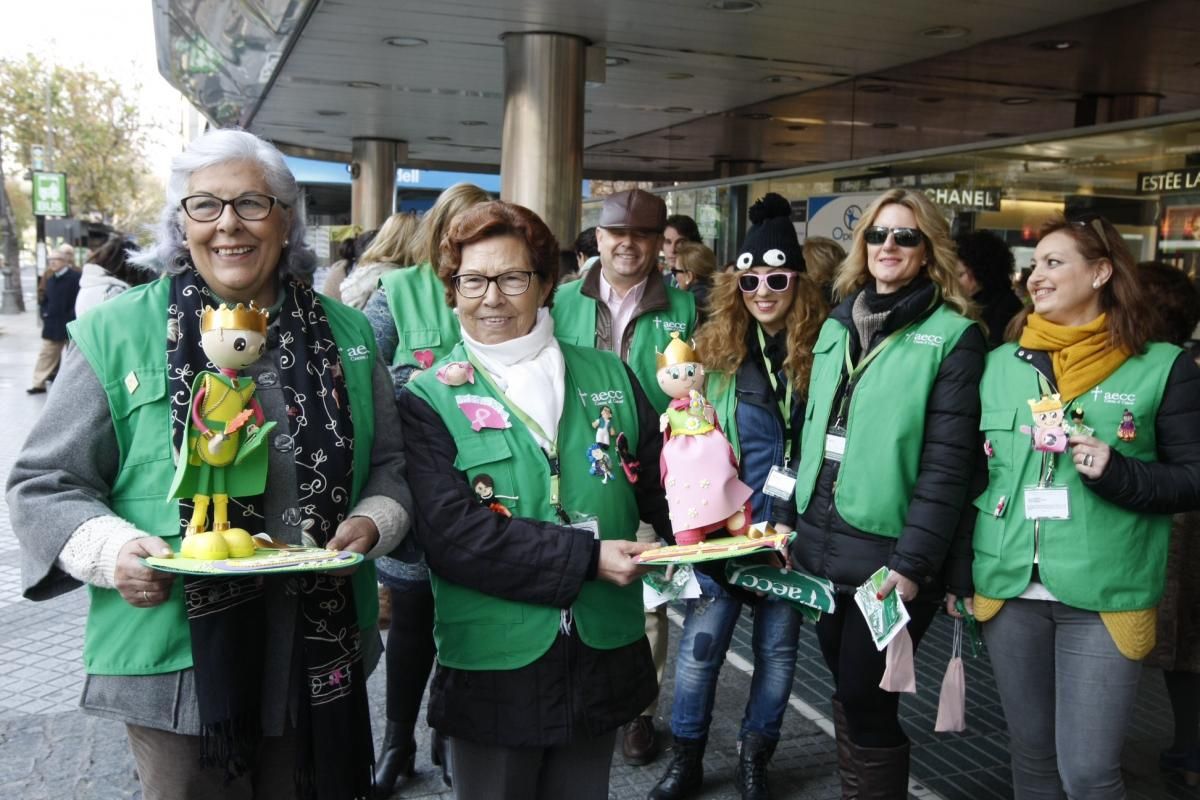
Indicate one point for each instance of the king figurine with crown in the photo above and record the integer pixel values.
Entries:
(226, 429)
(699, 470)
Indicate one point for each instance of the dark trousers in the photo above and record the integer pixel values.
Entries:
(578, 770)
(168, 766)
(872, 715)
(410, 653)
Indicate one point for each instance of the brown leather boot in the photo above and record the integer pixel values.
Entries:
(640, 743)
(846, 768)
(882, 772)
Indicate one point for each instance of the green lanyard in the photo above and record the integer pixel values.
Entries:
(854, 372)
(785, 405)
(550, 452)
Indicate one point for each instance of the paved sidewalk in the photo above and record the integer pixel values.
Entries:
(49, 749)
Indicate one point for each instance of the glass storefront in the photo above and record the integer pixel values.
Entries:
(1146, 180)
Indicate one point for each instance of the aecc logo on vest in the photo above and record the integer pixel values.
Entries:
(358, 353)
(1114, 398)
(928, 339)
(669, 325)
(614, 397)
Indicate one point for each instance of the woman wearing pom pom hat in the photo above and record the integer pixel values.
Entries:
(757, 349)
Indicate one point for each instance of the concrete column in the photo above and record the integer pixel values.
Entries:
(373, 180)
(541, 154)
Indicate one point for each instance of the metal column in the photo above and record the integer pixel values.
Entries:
(541, 156)
(373, 180)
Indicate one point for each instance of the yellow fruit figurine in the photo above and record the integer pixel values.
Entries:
(207, 546)
(241, 544)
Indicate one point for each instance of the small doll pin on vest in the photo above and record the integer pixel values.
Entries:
(226, 427)
(1047, 432)
(699, 471)
(1127, 430)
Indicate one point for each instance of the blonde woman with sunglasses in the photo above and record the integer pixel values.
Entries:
(886, 456)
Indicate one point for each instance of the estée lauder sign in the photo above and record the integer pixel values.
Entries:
(1169, 182)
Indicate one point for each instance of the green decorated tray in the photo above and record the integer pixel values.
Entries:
(263, 562)
(716, 549)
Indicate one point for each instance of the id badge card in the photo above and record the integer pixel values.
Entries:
(586, 524)
(835, 444)
(781, 483)
(1047, 502)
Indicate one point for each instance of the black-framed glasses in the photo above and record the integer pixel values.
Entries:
(749, 282)
(679, 271)
(1094, 223)
(903, 237)
(471, 284)
(251, 206)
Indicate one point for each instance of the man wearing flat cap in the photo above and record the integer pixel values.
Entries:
(56, 300)
(627, 308)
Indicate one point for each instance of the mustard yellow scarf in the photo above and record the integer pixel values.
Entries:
(1082, 356)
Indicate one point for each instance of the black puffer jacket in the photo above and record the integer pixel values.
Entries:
(828, 546)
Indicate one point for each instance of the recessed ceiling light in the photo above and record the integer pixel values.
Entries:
(601, 132)
(930, 99)
(884, 126)
(472, 123)
(733, 6)
(678, 76)
(1016, 101)
(618, 150)
(674, 137)
(677, 110)
(405, 41)
(756, 115)
(783, 144)
(874, 88)
(945, 32)
(1055, 44)
(783, 79)
(363, 84)
(797, 127)
(615, 61)
(437, 138)
(329, 112)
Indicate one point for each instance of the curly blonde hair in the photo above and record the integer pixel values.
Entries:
(721, 340)
(942, 256)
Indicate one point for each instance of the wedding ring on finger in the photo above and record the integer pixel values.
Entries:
(145, 596)
(1088, 460)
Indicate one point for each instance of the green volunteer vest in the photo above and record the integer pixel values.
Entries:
(476, 631)
(1104, 558)
(575, 323)
(416, 297)
(126, 338)
(885, 428)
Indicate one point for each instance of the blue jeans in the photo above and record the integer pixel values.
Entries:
(1067, 694)
(707, 629)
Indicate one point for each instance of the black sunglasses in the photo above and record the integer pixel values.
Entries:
(776, 281)
(903, 237)
(1094, 223)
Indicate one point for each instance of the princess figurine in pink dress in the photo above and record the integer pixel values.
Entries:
(699, 470)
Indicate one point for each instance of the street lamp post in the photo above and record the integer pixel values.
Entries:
(12, 301)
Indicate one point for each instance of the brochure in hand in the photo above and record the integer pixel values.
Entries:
(886, 617)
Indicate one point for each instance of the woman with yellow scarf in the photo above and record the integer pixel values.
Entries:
(1092, 441)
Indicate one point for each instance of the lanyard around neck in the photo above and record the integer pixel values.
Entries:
(550, 450)
(785, 405)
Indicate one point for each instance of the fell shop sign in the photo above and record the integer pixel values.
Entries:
(1169, 181)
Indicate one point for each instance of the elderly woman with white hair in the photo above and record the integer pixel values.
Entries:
(244, 687)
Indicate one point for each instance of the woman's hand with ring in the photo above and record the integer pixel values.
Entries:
(1090, 455)
(140, 585)
(617, 564)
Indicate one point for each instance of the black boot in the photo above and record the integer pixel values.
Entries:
(394, 768)
(846, 767)
(882, 772)
(750, 775)
(439, 754)
(684, 774)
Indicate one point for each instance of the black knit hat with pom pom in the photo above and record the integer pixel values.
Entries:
(771, 240)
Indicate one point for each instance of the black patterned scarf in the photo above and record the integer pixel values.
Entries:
(226, 616)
